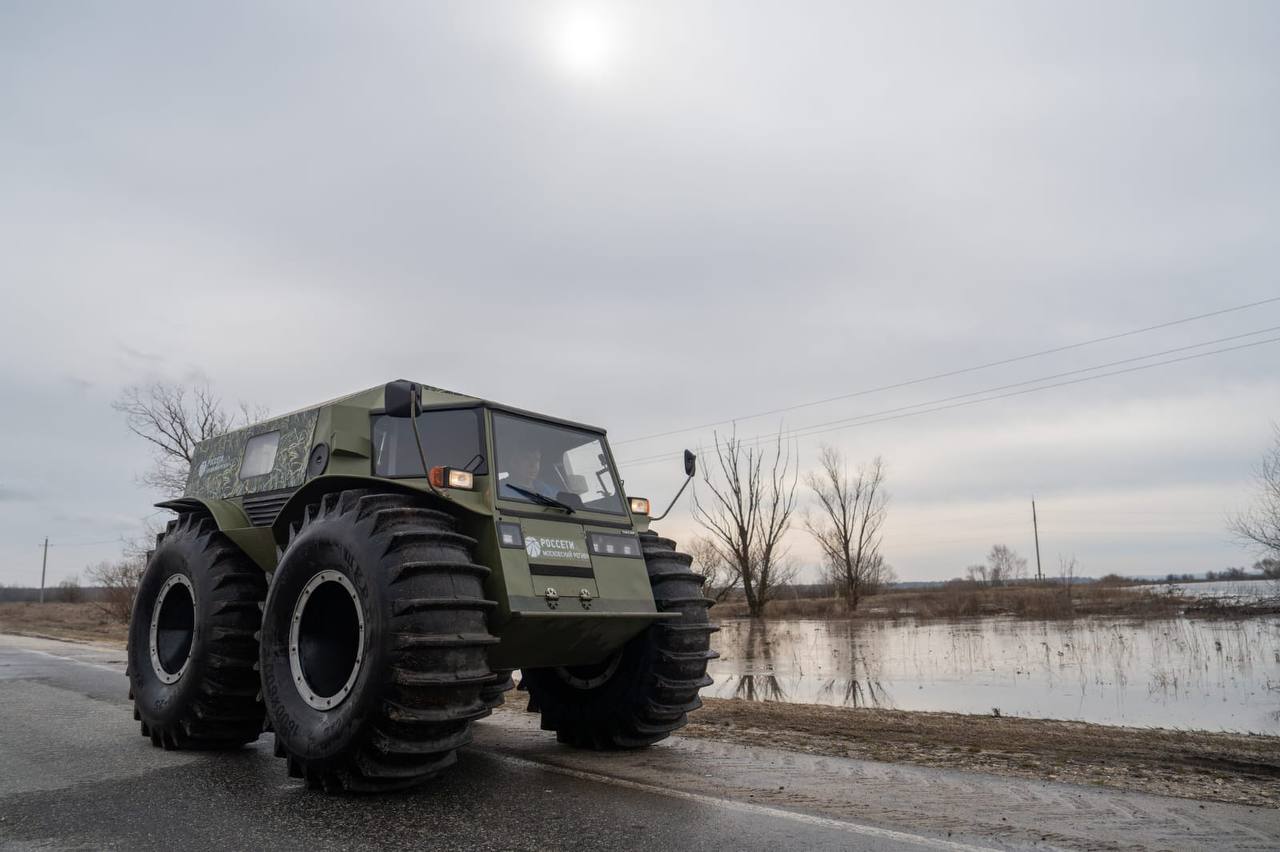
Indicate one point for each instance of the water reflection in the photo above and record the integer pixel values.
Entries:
(757, 677)
(757, 646)
(850, 692)
(759, 688)
(1222, 675)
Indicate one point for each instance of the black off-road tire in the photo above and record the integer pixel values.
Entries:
(492, 694)
(422, 652)
(209, 615)
(646, 691)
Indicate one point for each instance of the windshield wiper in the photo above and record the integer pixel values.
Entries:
(540, 498)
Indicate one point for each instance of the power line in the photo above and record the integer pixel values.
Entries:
(832, 426)
(1035, 381)
(117, 540)
(950, 373)
(934, 402)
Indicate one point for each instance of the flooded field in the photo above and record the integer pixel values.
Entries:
(1202, 674)
(1241, 591)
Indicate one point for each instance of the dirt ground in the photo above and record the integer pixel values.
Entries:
(83, 622)
(1235, 768)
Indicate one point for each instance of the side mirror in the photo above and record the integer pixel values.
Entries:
(690, 466)
(403, 399)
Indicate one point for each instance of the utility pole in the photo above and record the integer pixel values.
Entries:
(1036, 527)
(44, 563)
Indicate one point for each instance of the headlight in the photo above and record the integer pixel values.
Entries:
(639, 506)
(510, 535)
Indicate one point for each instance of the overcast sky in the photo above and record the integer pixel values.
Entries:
(653, 216)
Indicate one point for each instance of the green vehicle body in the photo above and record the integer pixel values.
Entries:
(568, 604)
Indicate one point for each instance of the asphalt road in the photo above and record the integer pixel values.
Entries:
(75, 774)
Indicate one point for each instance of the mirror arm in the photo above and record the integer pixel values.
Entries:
(422, 453)
(670, 506)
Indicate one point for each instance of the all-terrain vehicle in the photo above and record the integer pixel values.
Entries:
(362, 577)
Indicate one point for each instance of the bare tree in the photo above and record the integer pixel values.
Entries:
(879, 575)
(119, 581)
(173, 418)
(1004, 565)
(721, 574)
(976, 574)
(1259, 526)
(848, 524)
(1067, 571)
(747, 511)
(69, 590)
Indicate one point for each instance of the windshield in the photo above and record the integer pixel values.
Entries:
(543, 463)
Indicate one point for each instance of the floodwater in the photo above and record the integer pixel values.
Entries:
(1238, 591)
(1204, 674)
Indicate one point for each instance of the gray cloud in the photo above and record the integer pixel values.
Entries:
(9, 494)
(739, 209)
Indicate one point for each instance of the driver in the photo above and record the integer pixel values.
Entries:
(523, 466)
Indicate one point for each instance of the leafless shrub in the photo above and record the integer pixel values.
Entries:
(1067, 569)
(722, 577)
(1259, 526)
(69, 591)
(119, 581)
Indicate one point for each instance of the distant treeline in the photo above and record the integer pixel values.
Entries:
(64, 593)
(806, 591)
(1267, 569)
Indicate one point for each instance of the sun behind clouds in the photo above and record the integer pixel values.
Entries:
(584, 41)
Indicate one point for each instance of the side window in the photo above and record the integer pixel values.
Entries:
(259, 455)
(451, 437)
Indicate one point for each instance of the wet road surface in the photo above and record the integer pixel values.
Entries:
(75, 774)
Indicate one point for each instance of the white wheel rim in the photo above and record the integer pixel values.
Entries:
(304, 686)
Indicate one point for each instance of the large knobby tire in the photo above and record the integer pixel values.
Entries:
(645, 691)
(492, 694)
(377, 687)
(192, 645)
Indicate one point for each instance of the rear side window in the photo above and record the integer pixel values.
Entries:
(259, 454)
(451, 438)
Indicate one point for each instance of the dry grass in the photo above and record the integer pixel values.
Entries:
(85, 622)
(965, 601)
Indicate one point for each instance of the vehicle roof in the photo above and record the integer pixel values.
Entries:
(373, 399)
(430, 396)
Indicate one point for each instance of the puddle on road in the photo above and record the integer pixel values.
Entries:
(1169, 673)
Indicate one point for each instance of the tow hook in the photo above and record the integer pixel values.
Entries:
(552, 596)
(584, 597)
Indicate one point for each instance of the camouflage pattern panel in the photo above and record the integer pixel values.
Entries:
(216, 467)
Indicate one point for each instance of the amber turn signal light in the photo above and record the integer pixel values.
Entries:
(447, 477)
